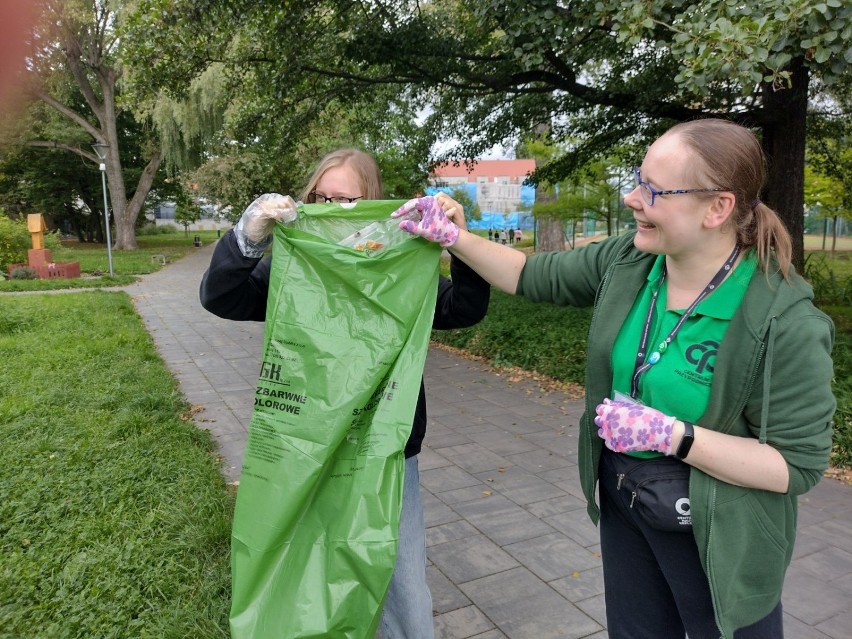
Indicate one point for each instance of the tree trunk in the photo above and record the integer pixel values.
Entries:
(114, 174)
(784, 144)
(125, 227)
(549, 231)
(96, 228)
(549, 234)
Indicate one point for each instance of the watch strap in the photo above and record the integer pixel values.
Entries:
(686, 440)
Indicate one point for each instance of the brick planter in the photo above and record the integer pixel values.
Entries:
(39, 261)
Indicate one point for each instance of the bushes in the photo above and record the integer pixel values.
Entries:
(842, 355)
(545, 338)
(15, 241)
(23, 273)
(833, 294)
(157, 229)
(830, 286)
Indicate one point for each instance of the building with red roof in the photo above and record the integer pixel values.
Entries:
(496, 185)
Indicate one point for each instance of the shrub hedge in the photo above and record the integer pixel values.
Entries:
(15, 241)
(544, 338)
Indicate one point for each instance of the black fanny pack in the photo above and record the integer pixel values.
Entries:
(657, 488)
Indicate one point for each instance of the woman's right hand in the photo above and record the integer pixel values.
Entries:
(254, 230)
(454, 210)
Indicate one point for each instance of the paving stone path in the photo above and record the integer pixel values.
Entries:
(511, 550)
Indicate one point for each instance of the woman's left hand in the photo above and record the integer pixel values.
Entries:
(426, 218)
(629, 427)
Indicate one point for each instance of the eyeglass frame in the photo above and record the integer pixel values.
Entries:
(334, 199)
(637, 175)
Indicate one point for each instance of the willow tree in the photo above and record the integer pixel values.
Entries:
(231, 151)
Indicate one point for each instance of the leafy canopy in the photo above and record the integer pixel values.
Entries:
(602, 72)
(601, 75)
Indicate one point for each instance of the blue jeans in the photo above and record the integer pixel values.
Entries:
(408, 606)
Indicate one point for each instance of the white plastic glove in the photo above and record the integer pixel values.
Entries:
(254, 230)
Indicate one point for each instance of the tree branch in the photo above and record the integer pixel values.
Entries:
(69, 113)
(47, 144)
(73, 56)
(143, 187)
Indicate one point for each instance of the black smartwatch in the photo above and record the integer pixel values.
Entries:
(686, 441)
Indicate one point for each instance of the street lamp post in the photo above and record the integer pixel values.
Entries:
(101, 150)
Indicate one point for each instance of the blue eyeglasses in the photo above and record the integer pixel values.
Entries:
(649, 193)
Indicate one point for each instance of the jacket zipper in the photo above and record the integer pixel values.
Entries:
(635, 494)
(590, 409)
(711, 577)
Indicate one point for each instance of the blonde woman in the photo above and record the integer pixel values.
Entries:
(236, 286)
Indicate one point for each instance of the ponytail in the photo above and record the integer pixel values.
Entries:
(766, 232)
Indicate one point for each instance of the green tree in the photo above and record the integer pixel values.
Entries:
(186, 214)
(232, 180)
(601, 73)
(830, 152)
(67, 187)
(828, 197)
(44, 181)
(74, 54)
(828, 176)
(550, 214)
(470, 207)
(241, 157)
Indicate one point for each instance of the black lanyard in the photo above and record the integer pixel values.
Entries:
(641, 365)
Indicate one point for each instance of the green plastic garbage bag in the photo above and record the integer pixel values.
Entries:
(349, 315)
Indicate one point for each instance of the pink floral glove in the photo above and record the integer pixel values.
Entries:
(427, 219)
(628, 427)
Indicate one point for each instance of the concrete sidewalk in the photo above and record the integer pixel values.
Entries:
(511, 550)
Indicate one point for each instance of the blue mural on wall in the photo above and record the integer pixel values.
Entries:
(491, 219)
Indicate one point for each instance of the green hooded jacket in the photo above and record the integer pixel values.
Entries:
(772, 381)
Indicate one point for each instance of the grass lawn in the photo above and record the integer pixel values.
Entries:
(815, 242)
(172, 246)
(127, 265)
(114, 517)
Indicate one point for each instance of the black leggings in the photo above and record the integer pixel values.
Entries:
(654, 585)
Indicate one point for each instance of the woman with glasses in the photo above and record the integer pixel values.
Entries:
(708, 387)
(236, 286)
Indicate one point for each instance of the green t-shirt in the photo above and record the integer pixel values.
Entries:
(678, 384)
